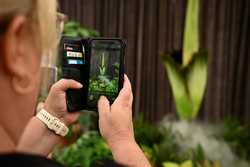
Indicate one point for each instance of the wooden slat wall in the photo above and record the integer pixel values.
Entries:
(152, 27)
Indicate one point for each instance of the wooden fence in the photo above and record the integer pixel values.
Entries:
(152, 27)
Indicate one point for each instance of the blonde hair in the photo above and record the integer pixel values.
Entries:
(41, 15)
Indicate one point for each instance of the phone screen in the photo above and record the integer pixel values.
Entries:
(104, 70)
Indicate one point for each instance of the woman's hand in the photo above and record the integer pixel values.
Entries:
(37, 138)
(115, 121)
(55, 103)
(116, 127)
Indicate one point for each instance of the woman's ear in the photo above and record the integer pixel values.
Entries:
(17, 59)
(23, 84)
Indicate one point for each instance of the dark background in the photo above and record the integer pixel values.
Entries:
(152, 27)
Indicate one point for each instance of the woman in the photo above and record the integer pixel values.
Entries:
(27, 31)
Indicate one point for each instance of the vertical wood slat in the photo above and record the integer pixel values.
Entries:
(139, 56)
(212, 73)
(121, 18)
(112, 15)
(153, 27)
(227, 93)
(161, 87)
(247, 104)
(218, 57)
(235, 43)
(243, 60)
(129, 33)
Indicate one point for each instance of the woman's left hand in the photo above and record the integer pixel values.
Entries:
(36, 138)
(55, 103)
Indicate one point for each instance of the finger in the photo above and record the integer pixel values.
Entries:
(73, 117)
(65, 84)
(103, 106)
(125, 94)
(126, 83)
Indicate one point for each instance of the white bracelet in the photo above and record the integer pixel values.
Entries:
(52, 123)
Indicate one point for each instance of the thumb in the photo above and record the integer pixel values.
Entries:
(125, 94)
(65, 84)
(103, 106)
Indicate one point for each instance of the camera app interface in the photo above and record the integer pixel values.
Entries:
(104, 70)
(75, 54)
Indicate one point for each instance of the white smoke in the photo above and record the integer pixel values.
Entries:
(193, 134)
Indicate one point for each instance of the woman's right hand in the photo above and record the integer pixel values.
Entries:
(115, 121)
(116, 127)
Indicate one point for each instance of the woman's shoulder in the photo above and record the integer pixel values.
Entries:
(26, 160)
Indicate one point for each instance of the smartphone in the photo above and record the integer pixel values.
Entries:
(106, 69)
(97, 63)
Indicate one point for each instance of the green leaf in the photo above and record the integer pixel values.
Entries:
(74, 29)
(196, 77)
(191, 33)
(88, 149)
(188, 84)
(198, 154)
(83, 32)
(71, 25)
(188, 81)
(178, 84)
(93, 33)
(71, 34)
(170, 164)
(102, 65)
(187, 164)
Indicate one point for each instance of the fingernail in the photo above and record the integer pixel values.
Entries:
(79, 85)
(102, 97)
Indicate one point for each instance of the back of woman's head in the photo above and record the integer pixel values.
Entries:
(27, 31)
(41, 17)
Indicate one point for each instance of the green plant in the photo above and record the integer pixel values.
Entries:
(183, 164)
(117, 67)
(238, 137)
(74, 29)
(102, 66)
(103, 82)
(189, 163)
(188, 80)
(191, 31)
(188, 84)
(88, 149)
(169, 150)
(146, 133)
(160, 144)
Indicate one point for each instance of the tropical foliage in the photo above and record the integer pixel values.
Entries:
(89, 149)
(74, 29)
(188, 80)
(164, 146)
(104, 82)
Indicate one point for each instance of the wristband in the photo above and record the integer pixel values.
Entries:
(52, 123)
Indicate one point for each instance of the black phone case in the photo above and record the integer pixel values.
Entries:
(78, 99)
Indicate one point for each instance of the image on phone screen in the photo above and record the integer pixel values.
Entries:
(104, 70)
